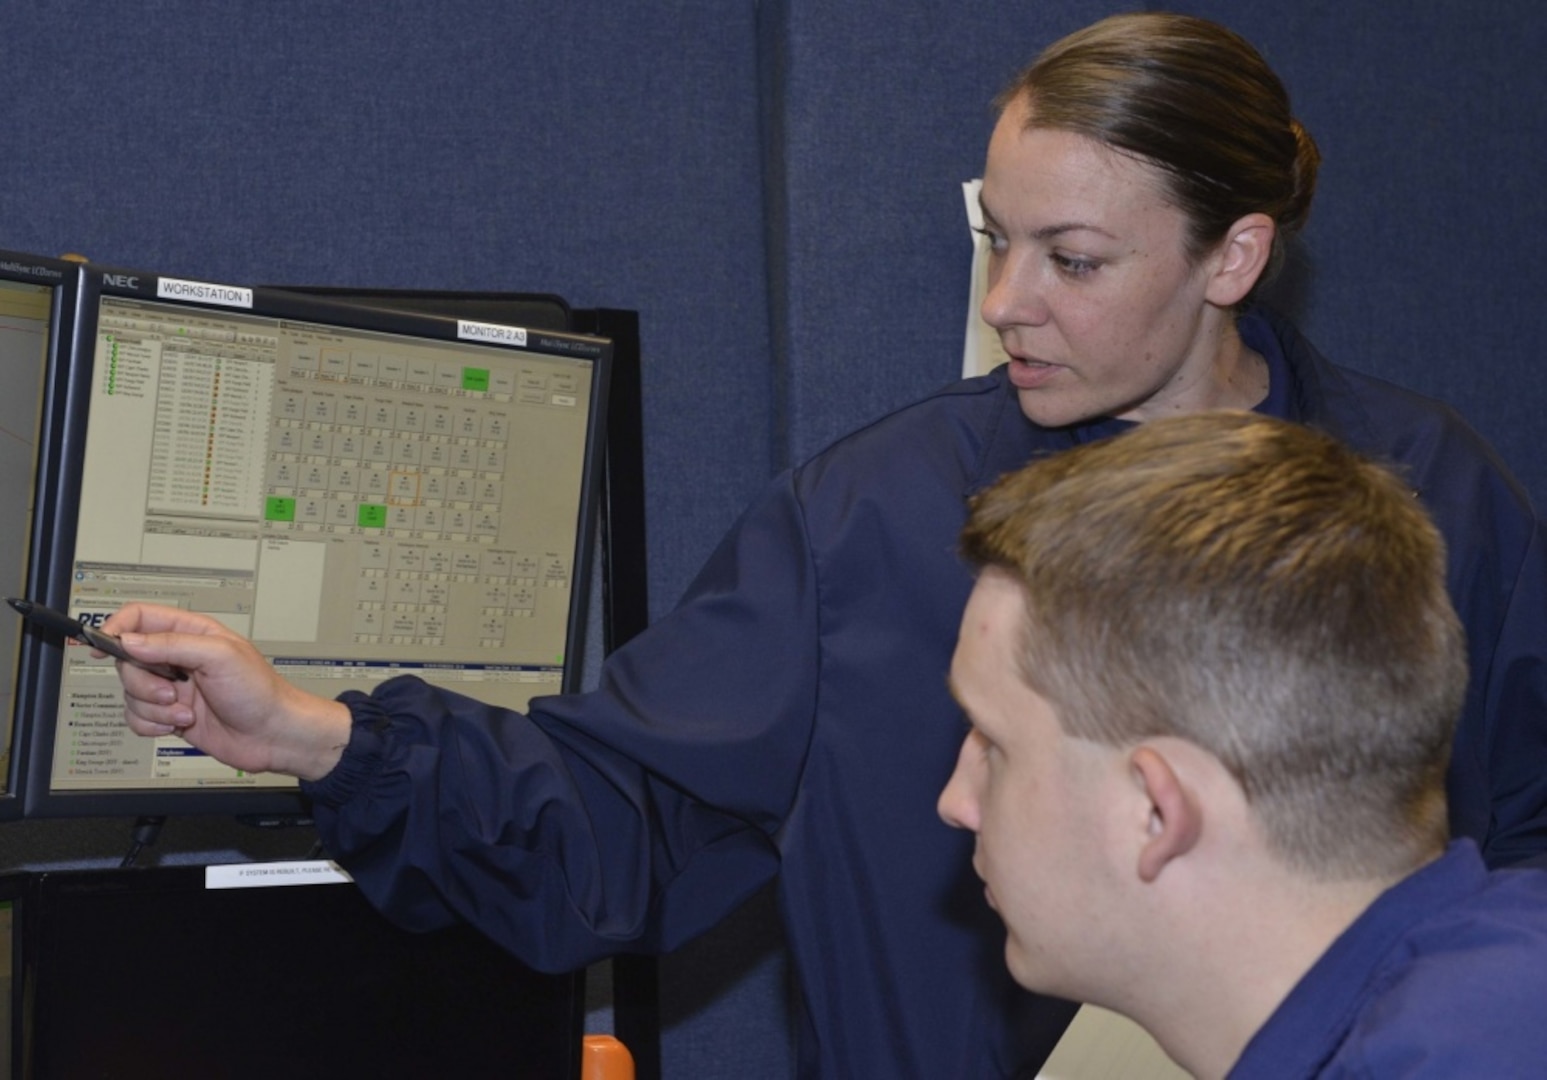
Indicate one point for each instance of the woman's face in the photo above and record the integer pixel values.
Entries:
(1090, 285)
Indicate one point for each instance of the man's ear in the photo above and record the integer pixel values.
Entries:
(1240, 259)
(1175, 819)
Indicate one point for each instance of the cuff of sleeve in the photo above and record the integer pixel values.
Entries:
(362, 759)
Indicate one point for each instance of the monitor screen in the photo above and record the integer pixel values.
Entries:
(364, 493)
(158, 972)
(37, 302)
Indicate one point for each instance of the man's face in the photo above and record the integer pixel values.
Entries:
(1032, 796)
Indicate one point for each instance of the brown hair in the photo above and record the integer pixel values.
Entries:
(1260, 590)
(1191, 98)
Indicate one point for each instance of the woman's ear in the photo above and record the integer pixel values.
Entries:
(1240, 259)
(1175, 820)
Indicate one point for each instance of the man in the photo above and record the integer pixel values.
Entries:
(1212, 675)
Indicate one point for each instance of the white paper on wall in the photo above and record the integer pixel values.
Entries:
(982, 352)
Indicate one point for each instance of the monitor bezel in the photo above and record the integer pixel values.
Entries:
(64, 277)
(41, 799)
(534, 310)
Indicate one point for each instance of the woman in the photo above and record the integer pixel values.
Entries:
(791, 717)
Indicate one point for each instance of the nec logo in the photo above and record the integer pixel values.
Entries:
(122, 281)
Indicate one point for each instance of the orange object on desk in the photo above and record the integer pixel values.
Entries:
(603, 1057)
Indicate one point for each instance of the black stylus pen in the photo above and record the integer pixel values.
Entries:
(60, 623)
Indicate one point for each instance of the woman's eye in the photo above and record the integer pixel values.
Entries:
(996, 242)
(1074, 265)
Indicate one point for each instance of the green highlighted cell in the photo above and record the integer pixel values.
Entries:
(372, 516)
(278, 509)
(474, 378)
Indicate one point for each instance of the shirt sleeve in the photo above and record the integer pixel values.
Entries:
(630, 818)
(1497, 782)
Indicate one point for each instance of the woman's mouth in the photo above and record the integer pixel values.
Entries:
(1031, 374)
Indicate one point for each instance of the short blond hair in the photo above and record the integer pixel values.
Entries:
(1261, 590)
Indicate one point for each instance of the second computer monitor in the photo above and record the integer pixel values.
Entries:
(363, 493)
(37, 304)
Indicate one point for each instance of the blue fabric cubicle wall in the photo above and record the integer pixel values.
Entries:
(609, 153)
(1421, 261)
(775, 188)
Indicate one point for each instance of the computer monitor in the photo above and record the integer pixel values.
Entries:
(158, 972)
(365, 493)
(37, 304)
